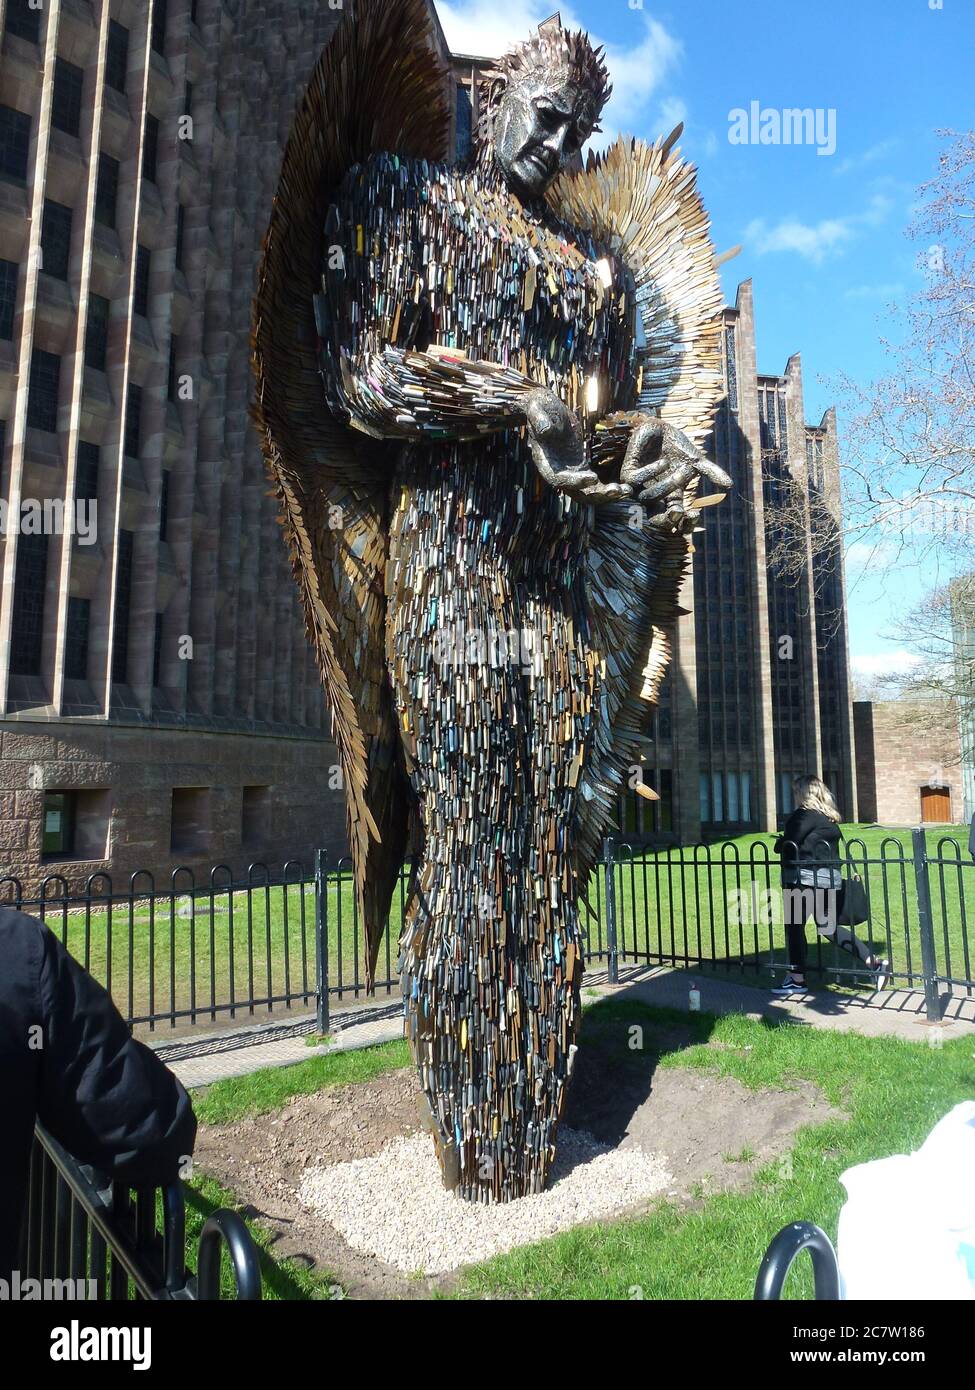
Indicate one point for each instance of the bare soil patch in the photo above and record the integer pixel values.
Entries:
(711, 1132)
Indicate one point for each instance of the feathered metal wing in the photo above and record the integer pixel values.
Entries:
(380, 84)
(641, 202)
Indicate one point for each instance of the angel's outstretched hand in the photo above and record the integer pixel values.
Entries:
(659, 463)
(555, 440)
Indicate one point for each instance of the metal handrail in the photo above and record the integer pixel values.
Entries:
(781, 1254)
(151, 1259)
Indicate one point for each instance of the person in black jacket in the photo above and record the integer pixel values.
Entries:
(68, 1060)
(812, 877)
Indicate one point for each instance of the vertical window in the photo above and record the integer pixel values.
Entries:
(734, 810)
(133, 421)
(96, 332)
(717, 797)
(143, 260)
(159, 17)
(464, 121)
(746, 796)
(731, 371)
(23, 20)
(180, 227)
(55, 239)
(665, 807)
(14, 143)
(255, 818)
(150, 150)
(86, 472)
(27, 627)
(190, 824)
(164, 506)
(705, 785)
(8, 298)
(157, 642)
(66, 97)
(171, 375)
(76, 639)
(123, 600)
(116, 56)
(106, 191)
(42, 397)
(59, 825)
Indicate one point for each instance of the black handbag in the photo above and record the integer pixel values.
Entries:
(854, 906)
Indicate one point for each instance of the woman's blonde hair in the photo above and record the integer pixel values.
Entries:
(812, 794)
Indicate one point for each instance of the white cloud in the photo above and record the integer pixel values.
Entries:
(888, 291)
(866, 555)
(894, 663)
(637, 70)
(815, 241)
(812, 241)
(869, 156)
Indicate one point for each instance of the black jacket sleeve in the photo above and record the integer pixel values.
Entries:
(106, 1097)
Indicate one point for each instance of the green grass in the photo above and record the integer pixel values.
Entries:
(273, 1087)
(892, 1092)
(671, 909)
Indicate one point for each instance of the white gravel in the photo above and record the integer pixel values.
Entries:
(394, 1205)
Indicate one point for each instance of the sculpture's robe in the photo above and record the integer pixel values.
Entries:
(497, 682)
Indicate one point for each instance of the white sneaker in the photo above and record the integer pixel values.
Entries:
(789, 986)
(882, 973)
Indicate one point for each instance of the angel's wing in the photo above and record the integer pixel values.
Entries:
(641, 202)
(380, 84)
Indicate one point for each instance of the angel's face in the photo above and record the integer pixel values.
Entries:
(539, 127)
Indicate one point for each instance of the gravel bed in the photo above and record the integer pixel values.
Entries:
(393, 1205)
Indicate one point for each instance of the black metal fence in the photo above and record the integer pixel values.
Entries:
(193, 955)
(84, 1238)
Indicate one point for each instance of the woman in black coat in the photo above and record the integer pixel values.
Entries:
(812, 880)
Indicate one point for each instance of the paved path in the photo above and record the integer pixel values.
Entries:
(199, 1061)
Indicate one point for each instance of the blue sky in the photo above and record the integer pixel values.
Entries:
(822, 234)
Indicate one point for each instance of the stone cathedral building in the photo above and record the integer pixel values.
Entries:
(158, 702)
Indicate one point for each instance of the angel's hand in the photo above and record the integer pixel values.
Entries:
(659, 463)
(555, 440)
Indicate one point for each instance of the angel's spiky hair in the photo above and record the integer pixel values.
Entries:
(552, 53)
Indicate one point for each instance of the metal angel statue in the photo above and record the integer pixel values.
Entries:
(482, 393)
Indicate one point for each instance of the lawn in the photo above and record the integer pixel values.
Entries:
(193, 958)
(891, 1092)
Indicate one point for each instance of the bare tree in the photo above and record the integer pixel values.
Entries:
(908, 452)
(939, 692)
(909, 447)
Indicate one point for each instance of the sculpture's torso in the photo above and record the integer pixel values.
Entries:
(495, 679)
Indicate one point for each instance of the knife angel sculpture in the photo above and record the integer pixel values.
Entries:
(483, 390)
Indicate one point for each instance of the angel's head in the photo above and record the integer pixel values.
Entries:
(539, 105)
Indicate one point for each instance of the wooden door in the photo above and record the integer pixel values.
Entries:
(936, 805)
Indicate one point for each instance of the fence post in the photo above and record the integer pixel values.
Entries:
(929, 965)
(609, 872)
(321, 941)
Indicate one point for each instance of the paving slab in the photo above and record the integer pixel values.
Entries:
(200, 1061)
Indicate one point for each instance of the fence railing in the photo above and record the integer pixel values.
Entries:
(197, 954)
(85, 1238)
